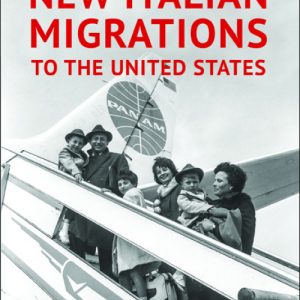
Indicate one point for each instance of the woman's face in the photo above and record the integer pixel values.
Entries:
(221, 185)
(164, 175)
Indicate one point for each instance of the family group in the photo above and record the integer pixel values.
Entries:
(230, 218)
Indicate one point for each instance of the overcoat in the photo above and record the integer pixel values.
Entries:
(72, 163)
(168, 200)
(101, 171)
(128, 255)
(242, 202)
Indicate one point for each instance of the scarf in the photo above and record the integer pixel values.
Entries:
(163, 191)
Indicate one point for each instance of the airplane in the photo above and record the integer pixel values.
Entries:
(139, 111)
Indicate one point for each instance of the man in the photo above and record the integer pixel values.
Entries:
(104, 166)
(102, 171)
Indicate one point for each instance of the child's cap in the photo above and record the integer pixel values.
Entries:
(76, 132)
(189, 169)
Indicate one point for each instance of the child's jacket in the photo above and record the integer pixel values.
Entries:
(71, 162)
(191, 206)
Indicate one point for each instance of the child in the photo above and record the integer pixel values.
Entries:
(71, 160)
(191, 199)
(192, 202)
(132, 263)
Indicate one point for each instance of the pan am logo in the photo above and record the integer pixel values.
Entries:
(125, 102)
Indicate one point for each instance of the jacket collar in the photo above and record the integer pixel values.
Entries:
(229, 195)
(95, 162)
(232, 200)
(81, 154)
(93, 153)
(190, 195)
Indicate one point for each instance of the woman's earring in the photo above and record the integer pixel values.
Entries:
(231, 188)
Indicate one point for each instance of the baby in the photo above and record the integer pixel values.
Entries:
(192, 199)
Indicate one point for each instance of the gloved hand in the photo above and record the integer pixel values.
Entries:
(63, 234)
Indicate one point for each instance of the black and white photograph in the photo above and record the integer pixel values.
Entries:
(150, 149)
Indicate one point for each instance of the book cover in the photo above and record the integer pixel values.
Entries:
(230, 70)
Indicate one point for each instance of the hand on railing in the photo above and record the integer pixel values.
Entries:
(104, 190)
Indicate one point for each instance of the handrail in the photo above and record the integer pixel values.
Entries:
(40, 157)
(252, 294)
(258, 251)
(276, 259)
(186, 232)
(4, 180)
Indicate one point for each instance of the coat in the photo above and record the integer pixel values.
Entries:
(71, 162)
(168, 200)
(191, 205)
(129, 256)
(101, 171)
(242, 202)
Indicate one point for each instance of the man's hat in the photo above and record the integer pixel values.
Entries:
(99, 129)
(189, 169)
(76, 132)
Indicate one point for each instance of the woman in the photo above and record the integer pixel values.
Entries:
(164, 172)
(229, 183)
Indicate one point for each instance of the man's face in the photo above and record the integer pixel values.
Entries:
(190, 182)
(99, 142)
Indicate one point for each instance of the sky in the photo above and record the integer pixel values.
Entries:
(275, 233)
(222, 118)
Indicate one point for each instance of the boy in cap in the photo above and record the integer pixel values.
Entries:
(192, 199)
(192, 203)
(71, 160)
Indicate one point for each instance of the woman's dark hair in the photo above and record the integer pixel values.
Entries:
(236, 176)
(163, 162)
(129, 175)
